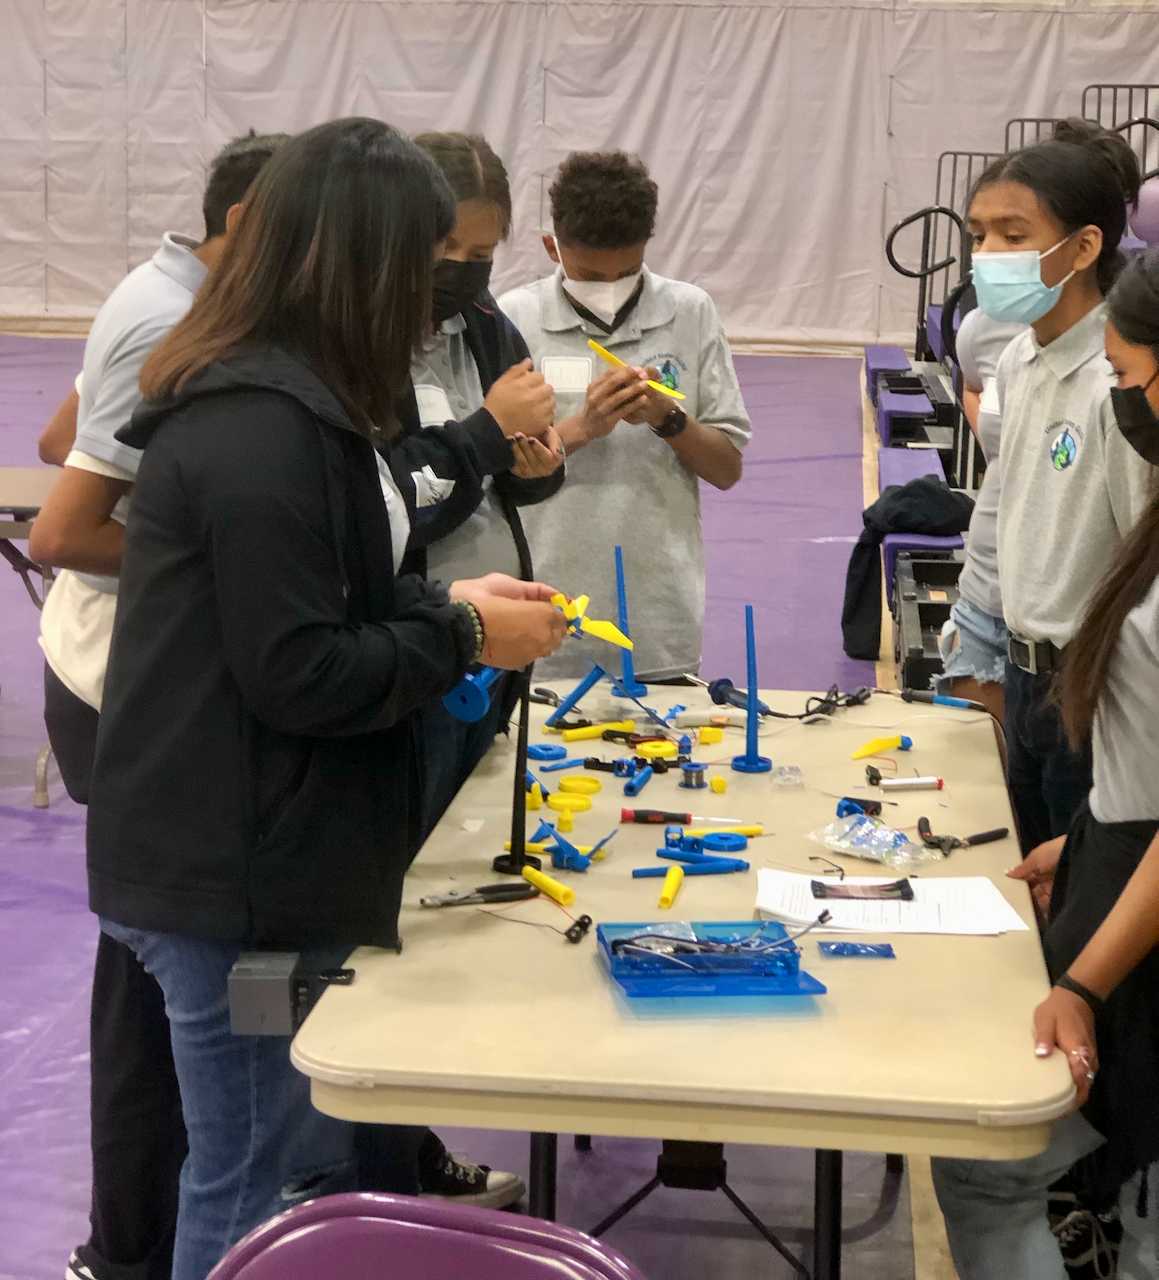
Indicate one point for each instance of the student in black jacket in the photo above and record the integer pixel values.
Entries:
(477, 442)
(256, 780)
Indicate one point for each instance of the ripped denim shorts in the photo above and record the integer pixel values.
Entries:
(972, 643)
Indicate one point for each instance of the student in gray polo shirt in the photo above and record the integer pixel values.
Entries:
(636, 482)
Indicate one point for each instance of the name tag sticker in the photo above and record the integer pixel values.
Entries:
(434, 407)
(988, 402)
(567, 373)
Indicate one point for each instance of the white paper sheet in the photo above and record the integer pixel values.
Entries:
(966, 905)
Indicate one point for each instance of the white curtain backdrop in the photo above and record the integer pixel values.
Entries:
(787, 137)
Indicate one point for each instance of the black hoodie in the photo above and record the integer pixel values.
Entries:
(255, 778)
(468, 451)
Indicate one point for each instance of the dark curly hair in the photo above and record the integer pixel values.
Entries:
(231, 172)
(603, 200)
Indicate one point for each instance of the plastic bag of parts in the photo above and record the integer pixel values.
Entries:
(875, 950)
(860, 836)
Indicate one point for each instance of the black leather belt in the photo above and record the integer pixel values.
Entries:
(1034, 656)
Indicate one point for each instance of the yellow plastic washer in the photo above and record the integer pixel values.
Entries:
(580, 784)
(562, 800)
(717, 783)
(656, 750)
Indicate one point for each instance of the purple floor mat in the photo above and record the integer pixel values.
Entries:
(780, 540)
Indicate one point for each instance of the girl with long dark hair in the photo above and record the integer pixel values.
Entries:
(1100, 884)
(257, 784)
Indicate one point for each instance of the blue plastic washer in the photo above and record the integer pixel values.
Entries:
(726, 842)
(545, 751)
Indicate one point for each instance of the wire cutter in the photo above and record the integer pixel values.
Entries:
(507, 891)
(948, 844)
(632, 739)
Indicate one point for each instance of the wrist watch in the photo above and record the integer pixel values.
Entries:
(674, 423)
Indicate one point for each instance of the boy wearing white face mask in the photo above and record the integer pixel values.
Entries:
(636, 482)
(1046, 224)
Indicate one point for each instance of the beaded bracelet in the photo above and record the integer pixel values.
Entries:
(477, 623)
(1084, 993)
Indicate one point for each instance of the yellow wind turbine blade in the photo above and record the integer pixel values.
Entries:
(581, 606)
(606, 631)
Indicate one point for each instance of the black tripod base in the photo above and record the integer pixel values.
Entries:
(696, 1166)
(507, 864)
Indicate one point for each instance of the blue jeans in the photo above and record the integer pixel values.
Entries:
(451, 750)
(1048, 781)
(995, 1210)
(256, 1145)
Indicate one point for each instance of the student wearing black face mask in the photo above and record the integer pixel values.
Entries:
(477, 441)
(1098, 887)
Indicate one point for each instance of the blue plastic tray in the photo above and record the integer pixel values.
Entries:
(777, 973)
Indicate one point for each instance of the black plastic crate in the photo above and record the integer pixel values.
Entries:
(925, 590)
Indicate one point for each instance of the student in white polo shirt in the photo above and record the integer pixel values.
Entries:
(1046, 223)
(138, 1136)
(636, 481)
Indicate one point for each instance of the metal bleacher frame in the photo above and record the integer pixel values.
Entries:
(1030, 129)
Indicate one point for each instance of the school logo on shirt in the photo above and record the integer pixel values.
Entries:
(669, 368)
(1064, 445)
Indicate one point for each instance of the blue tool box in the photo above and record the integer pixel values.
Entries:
(757, 967)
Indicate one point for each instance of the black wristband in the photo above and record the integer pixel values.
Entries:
(1084, 993)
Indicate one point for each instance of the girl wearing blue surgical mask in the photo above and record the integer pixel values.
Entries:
(1100, 893)
(1046, 224)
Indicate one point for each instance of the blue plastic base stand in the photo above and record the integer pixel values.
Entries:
(758, 764)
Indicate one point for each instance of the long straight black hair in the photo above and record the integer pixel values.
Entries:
(331, 259)
(1086, 176)
(1133, 310)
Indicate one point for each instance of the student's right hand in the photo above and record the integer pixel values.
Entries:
(1037, 869)
(612, 396)
(517, 632)
(521, 401)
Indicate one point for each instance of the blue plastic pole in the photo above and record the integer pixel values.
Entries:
(752, 761)
(589, 681)
(628, 682)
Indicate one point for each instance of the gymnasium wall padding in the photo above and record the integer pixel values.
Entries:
(786, 137)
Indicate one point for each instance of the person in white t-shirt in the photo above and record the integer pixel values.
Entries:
(138, 1135)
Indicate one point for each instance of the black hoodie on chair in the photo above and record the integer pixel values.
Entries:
(926, 505)
(256, 778)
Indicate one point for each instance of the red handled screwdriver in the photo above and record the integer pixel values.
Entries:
(661, 815)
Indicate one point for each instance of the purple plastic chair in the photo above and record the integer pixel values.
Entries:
(367, 1236)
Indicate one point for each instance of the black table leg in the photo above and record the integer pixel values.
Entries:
(827, 1216)
(541, 1192)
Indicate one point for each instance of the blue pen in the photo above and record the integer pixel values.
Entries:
(941, 700)
(725, 867)
(701, 859)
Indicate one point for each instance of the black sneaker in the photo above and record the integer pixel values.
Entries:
(449, 1177)
(1090, 1243)
(76, 1270)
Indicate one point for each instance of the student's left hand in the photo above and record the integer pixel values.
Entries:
(537, 457)
(656, 407)
(1065, 1021)
(500, 584)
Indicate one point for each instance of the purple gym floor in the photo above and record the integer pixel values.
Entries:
(780, 540)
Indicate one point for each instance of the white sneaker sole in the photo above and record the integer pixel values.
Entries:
(493, 1198)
